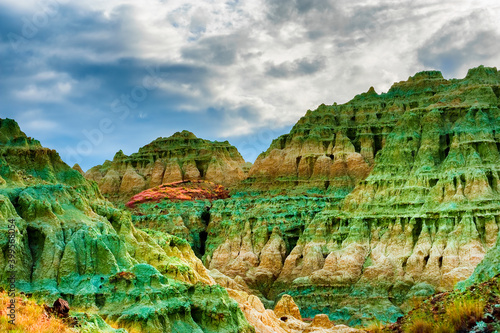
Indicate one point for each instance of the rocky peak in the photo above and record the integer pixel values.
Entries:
(183, 135)
(485, 75)
(119, 155)
(179, 157)
(308, 156)
(23, 160)
(78, 168)
(11, 135)
(426, 75)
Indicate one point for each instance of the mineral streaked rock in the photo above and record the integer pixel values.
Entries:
(335, 146)
(251, 237)
(78, 168)
(357, 247)
(187, 220)
(179, 191)
(415, 215)
(287, 307)
(94, 323)
(182, 156)
(71, 242)
(487, 269)
(284, 319)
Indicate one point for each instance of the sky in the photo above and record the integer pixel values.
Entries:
(92, 77)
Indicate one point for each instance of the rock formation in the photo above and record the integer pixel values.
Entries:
(336, 146)
(364, 205)
(284, 319)
(286, 307)
(72, 244)
(360, 208)
(180, 157)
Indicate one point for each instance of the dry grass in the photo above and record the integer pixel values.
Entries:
(459, 316)
(375, 327)
(415, 301)
(30, 318)
(420, 326)
(462, 313)
(444, 327)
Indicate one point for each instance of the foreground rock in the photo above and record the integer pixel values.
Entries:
(285, 318)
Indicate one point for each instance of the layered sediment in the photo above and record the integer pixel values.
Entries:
(365, 205)
(72, 243)
(180, 157)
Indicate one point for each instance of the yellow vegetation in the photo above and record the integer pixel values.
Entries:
(459, 315)
(421, 326)
(30, 317)
(463, 312)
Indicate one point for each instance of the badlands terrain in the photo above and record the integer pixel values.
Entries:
(383, 211)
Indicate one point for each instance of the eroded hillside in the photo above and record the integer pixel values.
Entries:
(364, 205)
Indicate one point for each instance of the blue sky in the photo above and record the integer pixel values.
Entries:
(90, 78)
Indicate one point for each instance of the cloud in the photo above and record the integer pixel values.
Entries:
(280, 11)
(463, 42)
(297, 67)
(222, 69)
(218, 50)
(37, 93)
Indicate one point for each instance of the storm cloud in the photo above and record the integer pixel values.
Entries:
(243, 71)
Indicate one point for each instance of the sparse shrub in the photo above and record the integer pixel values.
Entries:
(375, 327)
(444, 327)
(462, 314)
(415, 301)
(420, 325)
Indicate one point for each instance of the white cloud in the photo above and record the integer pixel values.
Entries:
(37, 93)
(35, 121)
(260, 63)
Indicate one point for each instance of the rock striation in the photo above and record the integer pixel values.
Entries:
(71, 243)
(336, 146)
(180, 191)
(361, 207)
(365, 205)
(180, 157)
(285, 318)
(73, 246)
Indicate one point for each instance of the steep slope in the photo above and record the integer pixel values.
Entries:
(362, 206)
(182, 208)
(487, 269)
(71, 243)
(400, 197)
(182, 156)
(335, 146)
